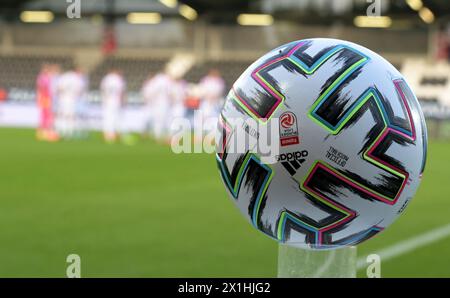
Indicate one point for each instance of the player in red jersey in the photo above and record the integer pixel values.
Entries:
(44, 101)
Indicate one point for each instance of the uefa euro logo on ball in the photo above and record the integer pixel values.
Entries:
(351, 144)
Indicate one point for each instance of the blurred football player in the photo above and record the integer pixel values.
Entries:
(158, 93)
(112, 90)
(212, 88)
(81, 113)
(45, 105)
(70, 89)
(55, 74)
(147, 96)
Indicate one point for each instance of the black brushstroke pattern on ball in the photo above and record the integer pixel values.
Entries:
(236, 167)
(334, 108)
(383, 186)
(375, 131)
(272, 81)
(223, 138)
(307, 59)
(230, 102)
(293, 68)
(265, 73)
(333, 214)
(238, 107)
(266, 226)
(385, 144)
(327, 236)
(401, 122)
(388, 184)
(290, 225)
(352, 239)
(348, 57)
(326, 184)
(258, 99)
(255, 176)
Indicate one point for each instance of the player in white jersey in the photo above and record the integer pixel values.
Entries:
(69, 89)
(112, 90)
(147, 96)
(212, 88)
(158, 94)
(82, 104)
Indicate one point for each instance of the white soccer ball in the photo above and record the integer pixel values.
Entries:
(350, 143)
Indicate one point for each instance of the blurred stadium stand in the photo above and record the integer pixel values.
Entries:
(230, 70)
(134, 70)
(431, 81)
(19, 71)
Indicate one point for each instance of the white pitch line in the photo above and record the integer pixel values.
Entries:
(408, 245)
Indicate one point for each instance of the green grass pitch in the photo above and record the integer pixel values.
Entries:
(142, 211)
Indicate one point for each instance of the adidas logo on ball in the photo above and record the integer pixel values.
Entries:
(292, 161)
(298, 155)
